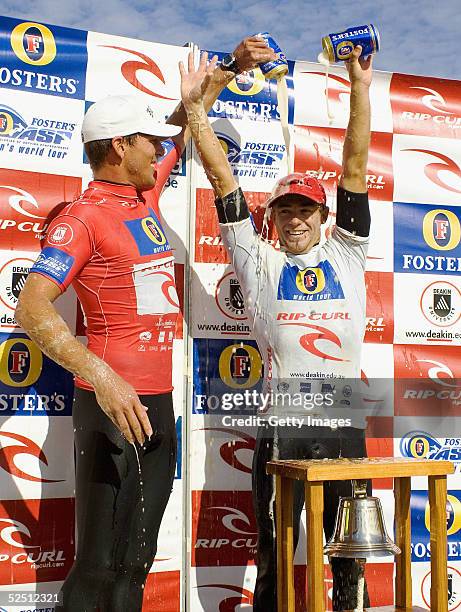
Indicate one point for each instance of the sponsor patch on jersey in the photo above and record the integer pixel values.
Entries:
(61, 235)
(54, 263)
(311, 284)
(148, 234)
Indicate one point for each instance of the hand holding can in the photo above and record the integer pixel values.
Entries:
(277, 68)
(339, 46)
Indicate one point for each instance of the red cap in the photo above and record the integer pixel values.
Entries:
(299, 184)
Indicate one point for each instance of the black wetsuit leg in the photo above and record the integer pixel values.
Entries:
(118, 518)
(316, 443)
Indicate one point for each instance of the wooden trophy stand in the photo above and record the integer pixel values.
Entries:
(314, 473)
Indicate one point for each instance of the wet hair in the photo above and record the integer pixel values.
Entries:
(98, 150)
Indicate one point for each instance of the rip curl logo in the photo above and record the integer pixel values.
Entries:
(26, 446)
(233, 516)
(338, 87)
(433, 98)
(229, 450)
(21, 197)
(144, 63)
(14, 527)
(309, 341)
(434, 170)
(168, 287)
(229, 604)
(438, 369)
(33, 43)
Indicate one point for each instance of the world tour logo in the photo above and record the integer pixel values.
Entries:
(251, 158)
(422, 445)
(38, 137)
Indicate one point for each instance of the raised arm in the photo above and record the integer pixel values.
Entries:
(357, 140)
(250, 52)
(193, 83)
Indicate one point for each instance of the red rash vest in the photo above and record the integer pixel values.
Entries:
(110, 244)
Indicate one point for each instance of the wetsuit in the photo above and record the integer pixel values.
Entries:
(308, 317)
(111, 246)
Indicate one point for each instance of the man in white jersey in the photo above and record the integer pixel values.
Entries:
(307, 307)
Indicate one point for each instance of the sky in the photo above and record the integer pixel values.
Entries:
(417, 36)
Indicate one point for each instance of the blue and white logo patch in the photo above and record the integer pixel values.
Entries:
(148, 235)
(311, 284)
(54, 263)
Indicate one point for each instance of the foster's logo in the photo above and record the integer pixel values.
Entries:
(44, 59)
(11, 122)
(427, 239)
(251, 96)
(33, 43)
(422, 445)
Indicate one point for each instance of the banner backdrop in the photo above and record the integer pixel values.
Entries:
(49, 76)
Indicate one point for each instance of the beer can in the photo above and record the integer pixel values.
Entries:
(339, 46)
(278, 67)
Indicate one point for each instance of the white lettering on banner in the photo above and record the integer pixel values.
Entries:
(245, 110)
(32, 403)
(454, 122)
(432, 262)
(37, 80)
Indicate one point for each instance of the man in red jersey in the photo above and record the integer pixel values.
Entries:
(111, 246)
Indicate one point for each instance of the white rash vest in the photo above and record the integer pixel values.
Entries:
(307, 311)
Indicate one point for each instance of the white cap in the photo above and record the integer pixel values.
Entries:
(123, 115)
